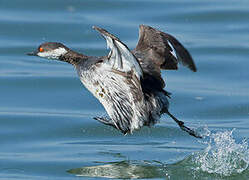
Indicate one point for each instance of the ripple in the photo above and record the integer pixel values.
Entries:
(121, 170)
(223, 158)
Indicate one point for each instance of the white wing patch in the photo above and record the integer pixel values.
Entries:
(120, 57)
(173, 52)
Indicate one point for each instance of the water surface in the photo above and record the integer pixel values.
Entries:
(46, 125)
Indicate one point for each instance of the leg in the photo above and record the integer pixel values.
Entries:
(105, 121)
(108, 121)
(184, 128)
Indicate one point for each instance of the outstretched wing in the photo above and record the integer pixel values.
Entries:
(162, 49)
(120, 57)
(122, 85)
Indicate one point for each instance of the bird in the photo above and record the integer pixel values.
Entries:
(128, 83)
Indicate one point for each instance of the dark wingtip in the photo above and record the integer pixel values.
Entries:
(193, 68)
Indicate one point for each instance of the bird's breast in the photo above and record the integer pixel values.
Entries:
(93, 81)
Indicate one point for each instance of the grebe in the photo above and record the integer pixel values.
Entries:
(128, 83)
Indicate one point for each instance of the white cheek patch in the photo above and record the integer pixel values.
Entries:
(54, 54)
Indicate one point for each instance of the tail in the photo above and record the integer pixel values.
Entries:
(184, 128)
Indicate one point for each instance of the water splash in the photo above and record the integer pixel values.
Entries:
(223, 155)
(223, 158)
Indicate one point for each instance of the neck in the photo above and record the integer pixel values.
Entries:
(73, 57)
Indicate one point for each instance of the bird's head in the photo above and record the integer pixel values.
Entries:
(50, 50)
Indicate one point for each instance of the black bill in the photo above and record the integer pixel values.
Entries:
(34, 53)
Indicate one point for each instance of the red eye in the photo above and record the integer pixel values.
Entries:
(41, 49)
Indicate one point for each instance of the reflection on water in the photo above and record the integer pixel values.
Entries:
(122, 170)
(223, 158)
(46, 124)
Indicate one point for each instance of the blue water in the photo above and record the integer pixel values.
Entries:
(46, 125)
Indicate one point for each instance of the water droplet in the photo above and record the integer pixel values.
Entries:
(223, 155)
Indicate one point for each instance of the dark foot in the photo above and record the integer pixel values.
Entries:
(184, 128)
(105, 121)
(108, 121)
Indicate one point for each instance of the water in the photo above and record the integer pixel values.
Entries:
(223, 156)
(46, 125)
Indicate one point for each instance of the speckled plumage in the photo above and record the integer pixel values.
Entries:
(129, 83)
(122, 96)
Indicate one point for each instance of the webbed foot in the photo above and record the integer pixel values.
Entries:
(183, 127)
(106, 121)
(109, 121)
